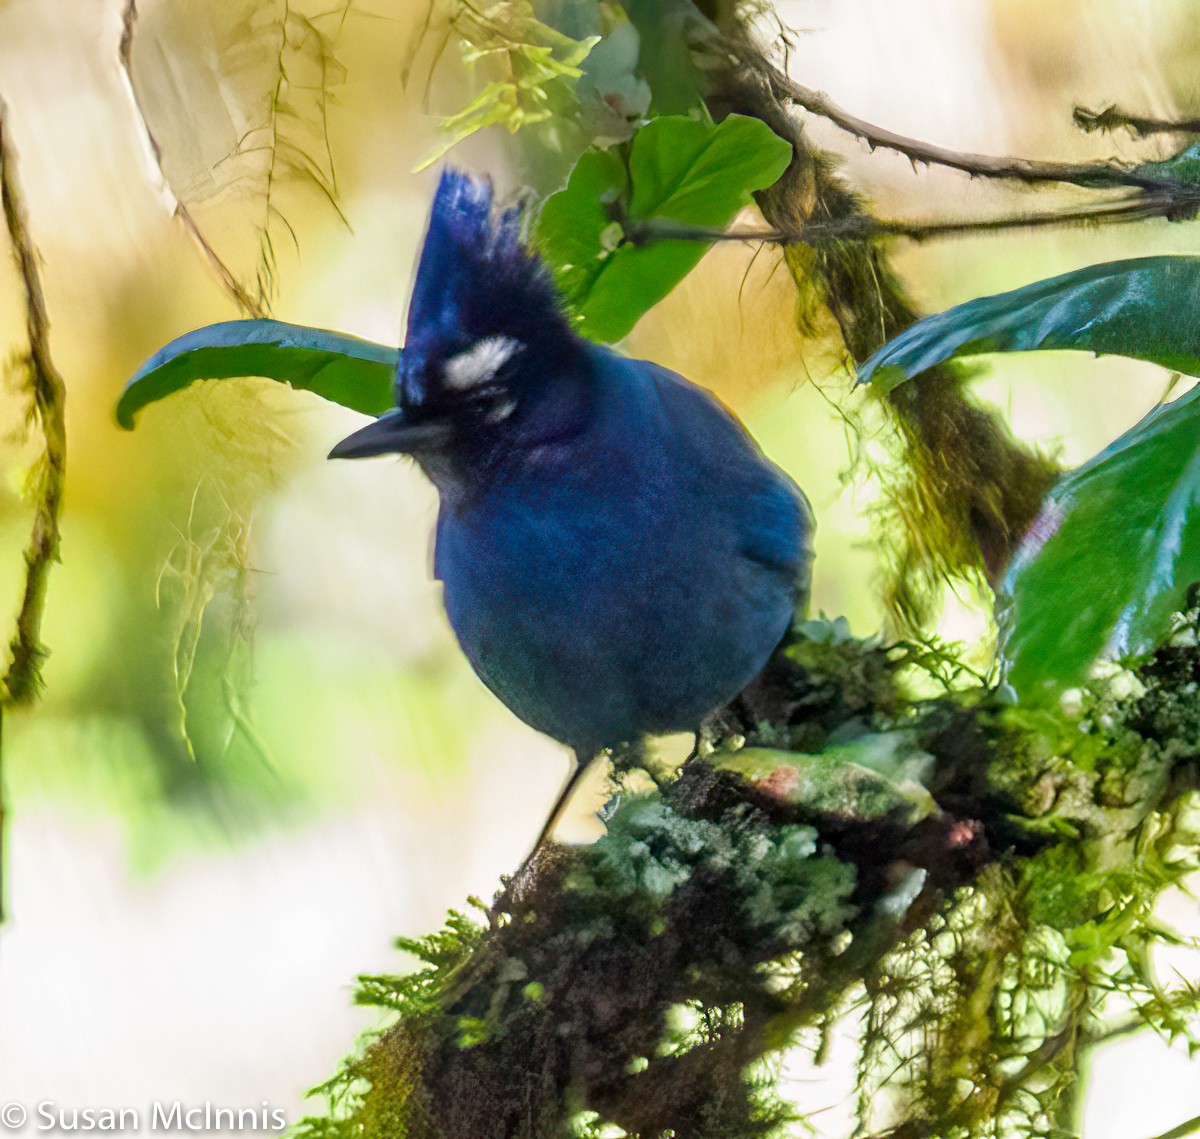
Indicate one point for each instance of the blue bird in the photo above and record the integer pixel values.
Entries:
(618, 556)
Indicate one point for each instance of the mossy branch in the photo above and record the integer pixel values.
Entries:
(976, 878)
(23, 680)
(970, 490)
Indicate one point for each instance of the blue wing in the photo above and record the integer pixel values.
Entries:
(774, 520)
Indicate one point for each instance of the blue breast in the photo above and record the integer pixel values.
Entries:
(630, 579)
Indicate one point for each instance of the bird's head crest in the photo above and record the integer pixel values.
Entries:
(478, 290)
(489, 353)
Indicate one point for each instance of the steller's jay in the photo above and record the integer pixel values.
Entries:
(618, 556)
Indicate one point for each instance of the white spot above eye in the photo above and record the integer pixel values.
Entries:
(479, 363)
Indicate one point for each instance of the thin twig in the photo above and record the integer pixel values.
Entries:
(267, 260)
(1093, 175)
(285, 156)
(23, 680)
(864, 228)
(1113, 118)
(248, 303)
(1183, 1001)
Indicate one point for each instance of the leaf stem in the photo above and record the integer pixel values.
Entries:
(1188, 1127)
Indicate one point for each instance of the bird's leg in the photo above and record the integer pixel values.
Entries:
(695, 752)
(582, 763)
(624, 756)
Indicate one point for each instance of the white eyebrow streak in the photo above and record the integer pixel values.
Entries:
(479, 363)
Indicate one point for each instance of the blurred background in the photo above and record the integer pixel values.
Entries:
(260, 755)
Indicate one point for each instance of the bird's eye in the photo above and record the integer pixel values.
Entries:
(479, 364)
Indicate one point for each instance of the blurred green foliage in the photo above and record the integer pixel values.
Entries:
(535, 69)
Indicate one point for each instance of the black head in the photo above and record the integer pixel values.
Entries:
(488, 359)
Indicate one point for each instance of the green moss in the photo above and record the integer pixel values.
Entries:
(1057, 888)
(786, 889)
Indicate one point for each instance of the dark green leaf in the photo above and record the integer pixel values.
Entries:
(1147, 308)
(1110, 557)
(680, 169)
(355, 373)
(1118, 540)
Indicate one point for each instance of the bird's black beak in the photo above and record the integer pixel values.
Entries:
(392, 433)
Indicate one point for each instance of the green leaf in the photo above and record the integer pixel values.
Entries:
(1110, 557)
(573, 222)
(355, 373)
(679, 169)
(1118, 540)
(1147, 308)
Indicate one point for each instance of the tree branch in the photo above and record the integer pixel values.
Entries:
(23, 680)
(1092, 175)
(22, 683)
(974, 488)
